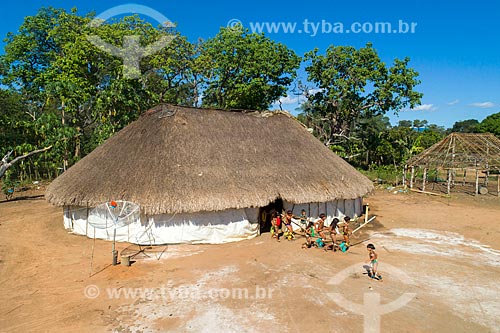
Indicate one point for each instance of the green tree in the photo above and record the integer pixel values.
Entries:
(11, 117)
(490, 124)
(174, 74)
(405, 123)
(73, 94)
(245, 70)
(418, 124)
(430, 136)
(465, 126)
(353, 83)
(371, 131)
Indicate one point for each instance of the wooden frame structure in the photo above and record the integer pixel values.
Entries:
(476, 152)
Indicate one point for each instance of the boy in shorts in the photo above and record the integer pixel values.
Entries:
(346, 231)
(373, 262)
(287, 220)
(276, 225)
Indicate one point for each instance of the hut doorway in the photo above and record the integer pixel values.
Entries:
(265, 214)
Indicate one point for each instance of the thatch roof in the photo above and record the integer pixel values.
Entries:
(461, 150)
(180, 160)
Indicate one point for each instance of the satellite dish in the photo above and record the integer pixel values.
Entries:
(113, 215)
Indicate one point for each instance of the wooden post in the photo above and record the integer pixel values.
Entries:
(498, 185)
(487, 165)
(449, 182)
(404, 176)
(477, 182)
(451, 175)
(465, 175)
(366, 212)
(424, 179)
(412, 176)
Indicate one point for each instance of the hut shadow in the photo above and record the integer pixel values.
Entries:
(138, 252)
(99, 271)
(367, 269)
(24, 197)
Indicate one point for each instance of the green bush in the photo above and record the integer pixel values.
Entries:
(384, 174)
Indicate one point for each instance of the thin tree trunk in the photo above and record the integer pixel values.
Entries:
(412, 176)
(63, 122)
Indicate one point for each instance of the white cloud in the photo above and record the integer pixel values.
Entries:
(315, 90)
(290, 99)
(454, 102)
(483, 105)
(424, 107)
(293, 98)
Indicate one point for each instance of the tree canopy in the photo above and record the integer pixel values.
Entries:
(245, 70)
(490, 124)
(465, 126)
(355, 83)
(61, 91)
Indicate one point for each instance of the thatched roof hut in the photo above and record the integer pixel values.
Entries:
(478, 152)
(461, 150)
(181, 160)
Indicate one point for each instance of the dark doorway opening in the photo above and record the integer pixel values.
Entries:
(265, 214)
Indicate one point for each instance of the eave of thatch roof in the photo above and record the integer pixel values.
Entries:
(180, 160)
(461, 150)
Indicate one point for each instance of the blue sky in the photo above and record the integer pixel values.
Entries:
(455, 47)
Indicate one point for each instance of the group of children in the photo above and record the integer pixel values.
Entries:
(316, 229)
(311, 229)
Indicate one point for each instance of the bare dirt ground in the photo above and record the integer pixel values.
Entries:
(443, 254)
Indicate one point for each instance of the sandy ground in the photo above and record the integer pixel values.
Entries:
(441, 255)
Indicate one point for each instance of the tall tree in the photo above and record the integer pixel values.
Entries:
(173, 74)
(353, 83)
(74, 93)
(245, 70)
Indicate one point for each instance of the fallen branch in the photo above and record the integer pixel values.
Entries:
(5, 164)
(431, 193)
(361, 226)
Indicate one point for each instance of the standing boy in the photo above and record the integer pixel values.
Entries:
(276, 225)
(373, 262)
(320, 224)
(346, 231)
(303, 218)
(287, 220)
